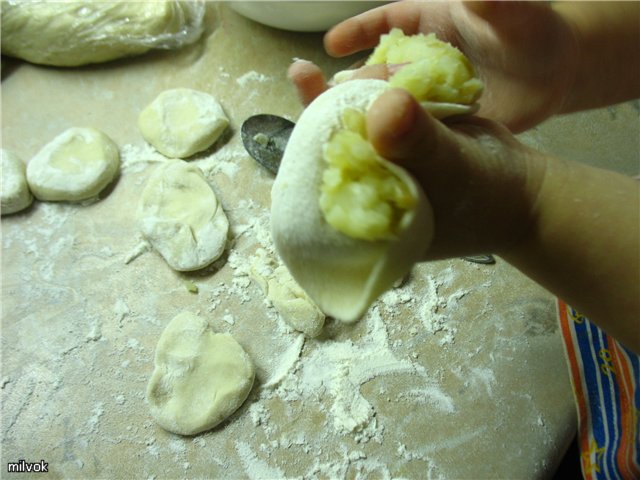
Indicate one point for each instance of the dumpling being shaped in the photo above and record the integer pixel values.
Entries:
(342, 272)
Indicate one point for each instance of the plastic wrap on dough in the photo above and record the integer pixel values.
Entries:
(77, 33)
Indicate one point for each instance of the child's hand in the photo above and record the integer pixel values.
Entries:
(523, 51)
(481, 182)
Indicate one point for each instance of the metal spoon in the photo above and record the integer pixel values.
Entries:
(265, 137)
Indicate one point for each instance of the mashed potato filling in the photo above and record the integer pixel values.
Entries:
(436, 71)
(360, 196)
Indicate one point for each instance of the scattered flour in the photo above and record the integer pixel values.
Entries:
(431, 395)
(135, 158)
(286, 362)
(254, 467)
(338, 369)
(96, 414)
(121, 310)
(326, 377)
(143, 246)
(250, 77)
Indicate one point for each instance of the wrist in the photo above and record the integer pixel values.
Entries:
(539, 167)
(492, 200)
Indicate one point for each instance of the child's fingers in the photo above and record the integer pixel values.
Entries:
(308, 80)
(363, 31)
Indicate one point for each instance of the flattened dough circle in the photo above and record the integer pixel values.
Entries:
(200, 377)
(76, 165)
(182, 122)
(181, 217)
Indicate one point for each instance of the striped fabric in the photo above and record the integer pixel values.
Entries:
(605, 377)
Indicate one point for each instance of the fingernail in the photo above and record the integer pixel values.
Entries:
(300, 60)
(341, 76)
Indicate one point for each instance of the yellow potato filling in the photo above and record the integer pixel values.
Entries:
(435, 71)
(359, 195)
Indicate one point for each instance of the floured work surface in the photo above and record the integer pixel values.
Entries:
(457, 373)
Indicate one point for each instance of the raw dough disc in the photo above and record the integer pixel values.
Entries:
(76, 33)
(76, 165)
(200, 377)
(343, 275)
(182, 122)
(15, 194)
(181, 217)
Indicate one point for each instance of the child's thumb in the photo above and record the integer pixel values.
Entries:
(402, 132)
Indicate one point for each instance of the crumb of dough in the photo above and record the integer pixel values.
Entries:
(293, 304)
(15, 194)
(191, 287)
(261, 139)
(288, 298)
(182, 122)
(181, 217)
(76, 165)
(200, 377)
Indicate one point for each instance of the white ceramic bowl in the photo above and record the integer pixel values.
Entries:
(302, 16)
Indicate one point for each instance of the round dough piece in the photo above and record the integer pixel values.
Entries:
(181, 217)
(182, 122)
(342, 274)
(15, 194)
(200, 377)
(68, 34)
(76, 165)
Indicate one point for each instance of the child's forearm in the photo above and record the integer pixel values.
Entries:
(585, 245)
(608, 44)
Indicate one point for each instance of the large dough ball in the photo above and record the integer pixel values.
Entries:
(76, 165)
(76, 33)
(15, 194)
(182, 122)
(200, 377)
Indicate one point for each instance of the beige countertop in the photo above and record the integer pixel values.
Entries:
(460, 372)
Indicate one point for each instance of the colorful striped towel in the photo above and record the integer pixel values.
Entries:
(605, 377)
